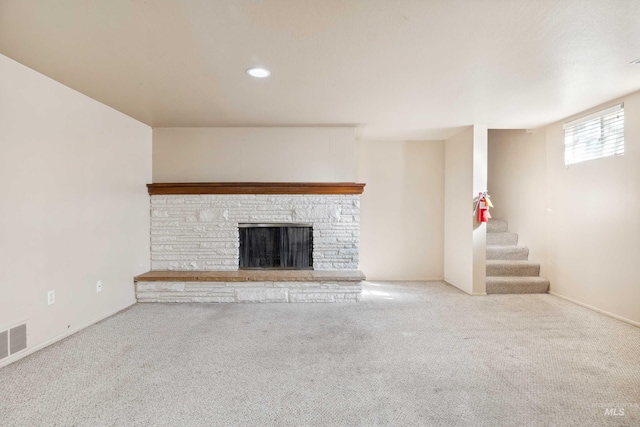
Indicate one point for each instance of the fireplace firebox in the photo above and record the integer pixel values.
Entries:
(276, 246)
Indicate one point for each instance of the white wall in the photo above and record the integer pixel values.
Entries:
(307, 154)
(480, 148)
(594, 222)
(518, 187)
(74, 206)
(458, 223)
(402, 204)
(465, 175)
(402, 209)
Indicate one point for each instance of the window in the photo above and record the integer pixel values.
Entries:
(597, 135)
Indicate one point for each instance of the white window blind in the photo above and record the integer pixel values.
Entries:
(597, 135)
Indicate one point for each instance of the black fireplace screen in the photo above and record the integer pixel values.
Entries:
(286, 246)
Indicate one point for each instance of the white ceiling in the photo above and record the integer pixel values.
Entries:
(398, 69)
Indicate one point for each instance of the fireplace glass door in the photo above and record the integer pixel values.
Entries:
(276, 246)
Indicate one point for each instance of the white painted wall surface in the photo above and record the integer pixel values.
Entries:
(402, 209)
(518, 187)
(594, 221)
(480, 137)
(402, 204)
(458, 222)
(74, 206)
(256, 154)
(464, 239)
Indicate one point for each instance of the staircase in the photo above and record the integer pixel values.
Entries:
(508, 268)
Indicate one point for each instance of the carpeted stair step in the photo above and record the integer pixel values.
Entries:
(497, 226)
(512, 253)
(502, 239)
(512, 268)
(517, 285)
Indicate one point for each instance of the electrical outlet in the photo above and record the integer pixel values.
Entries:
(99, 286)
(51, 297)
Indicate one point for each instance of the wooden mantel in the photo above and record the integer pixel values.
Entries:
(256, 188)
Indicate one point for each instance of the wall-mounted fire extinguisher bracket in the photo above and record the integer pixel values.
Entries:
(482, 205)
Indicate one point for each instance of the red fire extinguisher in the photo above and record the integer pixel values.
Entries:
(483, 204)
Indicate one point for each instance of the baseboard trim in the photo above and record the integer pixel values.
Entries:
(377, 279)
(473, 294)
(67, 333)
(596, 309)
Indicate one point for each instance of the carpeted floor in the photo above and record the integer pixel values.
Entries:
(410, 354)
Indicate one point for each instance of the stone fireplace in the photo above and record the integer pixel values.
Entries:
(206, 227)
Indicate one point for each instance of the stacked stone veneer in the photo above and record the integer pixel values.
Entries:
(200, 232)
(319, 291)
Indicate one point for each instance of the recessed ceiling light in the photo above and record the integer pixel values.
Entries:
(258, 72)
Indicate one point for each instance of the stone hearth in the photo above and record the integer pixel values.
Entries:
(250, 286)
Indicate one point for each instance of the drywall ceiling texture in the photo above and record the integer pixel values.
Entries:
(308, 154)
(74, 208)
(398, 70)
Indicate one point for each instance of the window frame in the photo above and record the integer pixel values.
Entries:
(594, 136)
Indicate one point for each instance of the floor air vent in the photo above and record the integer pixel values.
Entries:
(13, 340)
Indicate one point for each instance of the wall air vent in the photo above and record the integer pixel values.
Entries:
(4, 344)
(18, 338)
(13, 340)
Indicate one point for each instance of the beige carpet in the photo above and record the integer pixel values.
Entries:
(410, 354)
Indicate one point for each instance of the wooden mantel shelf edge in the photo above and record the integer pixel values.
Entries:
(256, 188)
(251, 276)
